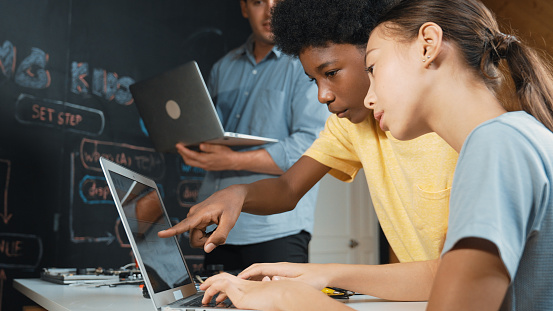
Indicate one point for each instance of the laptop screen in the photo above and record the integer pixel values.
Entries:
(144, 212)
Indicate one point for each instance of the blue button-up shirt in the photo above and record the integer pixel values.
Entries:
(272, 98)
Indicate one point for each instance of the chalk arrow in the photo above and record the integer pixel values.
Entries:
(6, 217)
(2, 279)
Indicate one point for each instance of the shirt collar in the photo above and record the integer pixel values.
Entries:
(247, 48)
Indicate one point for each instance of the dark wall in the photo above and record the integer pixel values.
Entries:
(65, 68)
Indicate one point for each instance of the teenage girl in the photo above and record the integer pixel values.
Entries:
(447, 55)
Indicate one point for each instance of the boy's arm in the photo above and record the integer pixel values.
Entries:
(471, 276)
(277, 195)
(264, 197)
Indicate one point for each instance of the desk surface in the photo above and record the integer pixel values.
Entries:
(58, 297)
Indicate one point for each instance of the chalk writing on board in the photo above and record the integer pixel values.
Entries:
(2, 279)
(33, 73)
(190, 171)
(107, 85)
(5, 168)
(94, 190)
(7, 58)
(20, 250)
(187, 192)
(91, 223)
(60, 115)
(145, 161)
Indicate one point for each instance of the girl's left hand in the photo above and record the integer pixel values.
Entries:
(242, 293)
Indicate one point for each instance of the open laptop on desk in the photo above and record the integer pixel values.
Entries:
(143, 214)
(176, 107)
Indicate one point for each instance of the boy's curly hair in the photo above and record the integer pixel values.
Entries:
(299, 24)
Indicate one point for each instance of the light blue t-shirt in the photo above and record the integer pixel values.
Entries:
(273, 98)
(502, 193)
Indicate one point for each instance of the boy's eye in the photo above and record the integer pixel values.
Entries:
(331, 73)
(312, 80)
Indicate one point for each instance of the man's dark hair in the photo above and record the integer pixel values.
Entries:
(299, 24)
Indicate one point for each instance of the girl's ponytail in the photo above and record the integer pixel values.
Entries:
(532, 78)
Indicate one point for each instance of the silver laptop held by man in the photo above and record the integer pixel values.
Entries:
(176, 107)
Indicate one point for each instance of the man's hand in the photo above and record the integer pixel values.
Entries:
(210, 158)
(222, 209)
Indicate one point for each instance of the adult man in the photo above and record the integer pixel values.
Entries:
(260, 91)
(409, 181)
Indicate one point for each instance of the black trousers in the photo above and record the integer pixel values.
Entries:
(293, 248)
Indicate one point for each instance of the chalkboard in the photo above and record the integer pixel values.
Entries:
(65, 69)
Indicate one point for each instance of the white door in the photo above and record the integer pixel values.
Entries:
(346, 227)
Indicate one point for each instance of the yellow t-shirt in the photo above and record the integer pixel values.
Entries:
(409, 181)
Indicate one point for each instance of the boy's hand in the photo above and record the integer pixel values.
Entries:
(222, 209)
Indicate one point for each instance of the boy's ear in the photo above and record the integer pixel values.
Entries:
(430, 42)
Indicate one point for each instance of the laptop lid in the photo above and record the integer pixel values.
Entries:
(177, 107)
(143, 214)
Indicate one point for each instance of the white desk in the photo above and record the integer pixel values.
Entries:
(368, 303)
(56, 297)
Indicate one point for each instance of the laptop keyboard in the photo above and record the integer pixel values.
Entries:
(194, 302)
(197, 302)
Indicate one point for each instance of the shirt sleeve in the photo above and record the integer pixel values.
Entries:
(307, 119)
(211, 81)
(334, 148)
(498, 181)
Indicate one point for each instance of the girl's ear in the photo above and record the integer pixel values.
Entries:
(430, 42)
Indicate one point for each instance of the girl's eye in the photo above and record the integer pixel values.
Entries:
(370, 69)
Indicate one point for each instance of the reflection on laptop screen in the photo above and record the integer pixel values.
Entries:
(143, 210)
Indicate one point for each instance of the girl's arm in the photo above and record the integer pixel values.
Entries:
(410, 281)
(471, 276)
(403, 281)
